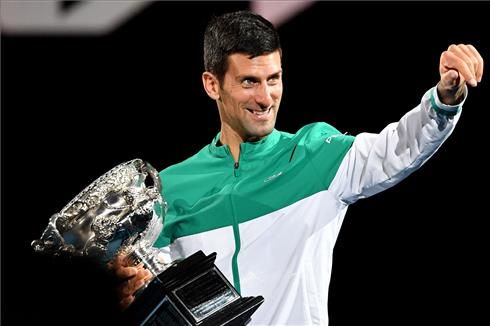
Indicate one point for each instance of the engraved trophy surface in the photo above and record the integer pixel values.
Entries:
(123, 211)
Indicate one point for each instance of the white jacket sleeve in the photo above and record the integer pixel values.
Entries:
(376, 162)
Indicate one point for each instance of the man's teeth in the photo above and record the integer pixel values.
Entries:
(260, 113)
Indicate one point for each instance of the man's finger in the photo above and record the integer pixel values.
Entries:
(125, 272)
(450, 78)
(127, 287)
(133, 284)
(125, 302)
(466, 56)
(451, 61)
(479, 72)
(472, 57)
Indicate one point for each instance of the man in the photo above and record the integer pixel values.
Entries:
(271, 203)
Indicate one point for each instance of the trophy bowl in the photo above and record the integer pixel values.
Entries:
(123, 212)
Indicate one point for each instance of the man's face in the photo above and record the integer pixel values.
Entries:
(250, 95)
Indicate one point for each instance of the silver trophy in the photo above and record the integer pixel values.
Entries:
(122, 212)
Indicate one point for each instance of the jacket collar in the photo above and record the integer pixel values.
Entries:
(246, 148)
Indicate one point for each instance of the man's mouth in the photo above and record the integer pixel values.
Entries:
(260, 113)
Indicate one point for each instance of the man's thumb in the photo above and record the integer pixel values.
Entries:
(450, 78)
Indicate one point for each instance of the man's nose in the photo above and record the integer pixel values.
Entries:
(263, 96)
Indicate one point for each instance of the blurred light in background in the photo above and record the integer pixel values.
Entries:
(279, 12)
(66, 17)
(102, 17)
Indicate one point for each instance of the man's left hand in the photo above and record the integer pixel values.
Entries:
(458, 65)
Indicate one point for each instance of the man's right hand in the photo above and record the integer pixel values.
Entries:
(132, 279)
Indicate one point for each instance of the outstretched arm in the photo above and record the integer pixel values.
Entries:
(378, 161)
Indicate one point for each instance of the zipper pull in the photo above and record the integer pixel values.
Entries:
(236, 171)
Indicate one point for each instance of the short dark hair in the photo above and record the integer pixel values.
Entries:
(237, 32)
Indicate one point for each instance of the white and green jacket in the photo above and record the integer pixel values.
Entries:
(273, 217)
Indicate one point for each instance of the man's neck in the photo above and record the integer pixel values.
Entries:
(233, 140)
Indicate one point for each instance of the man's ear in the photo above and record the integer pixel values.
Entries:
(211, 85)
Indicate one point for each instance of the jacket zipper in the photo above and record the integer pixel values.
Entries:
(236, 231)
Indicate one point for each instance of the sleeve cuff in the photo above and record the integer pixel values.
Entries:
(444, 109)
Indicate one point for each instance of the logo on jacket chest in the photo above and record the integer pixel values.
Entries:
(272, 177)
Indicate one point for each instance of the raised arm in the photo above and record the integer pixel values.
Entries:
(378, 161)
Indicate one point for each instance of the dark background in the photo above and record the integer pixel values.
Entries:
(75, 106)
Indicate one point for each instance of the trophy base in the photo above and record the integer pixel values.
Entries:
(192, 292)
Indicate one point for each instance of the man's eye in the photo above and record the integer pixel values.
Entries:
(248, 82)
(273, 81)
